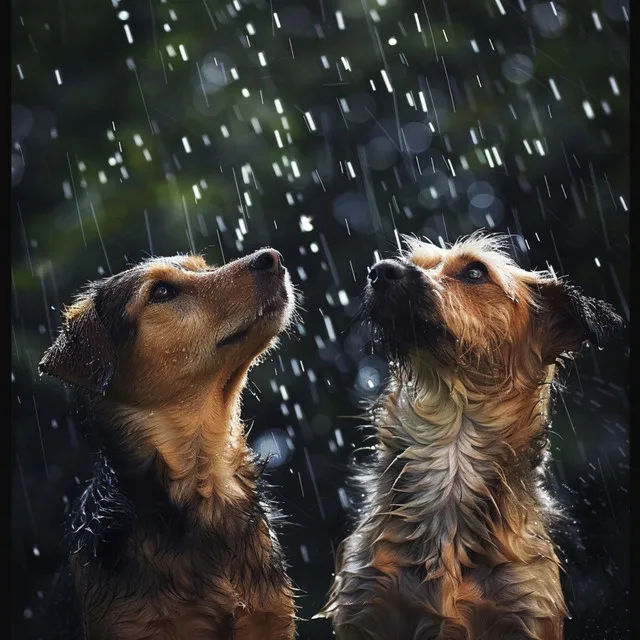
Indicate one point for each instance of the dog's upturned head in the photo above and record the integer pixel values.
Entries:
(149, 335)
(471, 308)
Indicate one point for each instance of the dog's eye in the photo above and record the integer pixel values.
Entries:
(475, 272)
(162, 291)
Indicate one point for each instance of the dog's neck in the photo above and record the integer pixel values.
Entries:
(195, 449)
(451, 465)
(187, 506)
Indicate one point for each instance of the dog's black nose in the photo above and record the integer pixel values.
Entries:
(266, 260)
(385, 273)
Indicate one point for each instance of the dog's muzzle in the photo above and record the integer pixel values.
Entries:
(386, 274)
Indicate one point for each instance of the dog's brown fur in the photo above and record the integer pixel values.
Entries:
(452, 540)
(172, 539)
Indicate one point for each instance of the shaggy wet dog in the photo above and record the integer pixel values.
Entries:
(173, 539)
(452, 539)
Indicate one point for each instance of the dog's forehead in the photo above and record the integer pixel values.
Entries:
(427, 256)
(181, 262)
(430, 257)
(490, 251)
(180, 267)
(120, 289)
(114, 293)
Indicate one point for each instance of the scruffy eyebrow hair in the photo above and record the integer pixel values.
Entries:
(477, 243)
(489, 249)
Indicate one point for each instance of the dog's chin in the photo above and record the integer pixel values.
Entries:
(269, 319)
(241, 349)
(403, 342)
(401, 330)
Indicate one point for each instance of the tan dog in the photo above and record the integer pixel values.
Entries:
(172, 539)
(452, 542)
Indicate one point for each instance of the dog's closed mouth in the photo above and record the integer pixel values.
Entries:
(234, 338)
(264, 312)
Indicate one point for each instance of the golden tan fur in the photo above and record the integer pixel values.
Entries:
(452, 540)
(207, 563)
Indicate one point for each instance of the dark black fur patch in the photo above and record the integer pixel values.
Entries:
(598, 319)
(116, 510)
(405, 318)
(84, 353)
(574, 318)
(111, 297)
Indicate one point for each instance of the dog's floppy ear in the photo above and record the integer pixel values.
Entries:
(570, 318)
(83, 355)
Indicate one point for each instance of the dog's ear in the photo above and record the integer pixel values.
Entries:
(83, 355)
(570, 319)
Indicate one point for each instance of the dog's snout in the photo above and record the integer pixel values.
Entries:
(386, 273)
(268, 260)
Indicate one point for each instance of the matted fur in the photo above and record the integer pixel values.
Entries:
(451, 540)
(173, 538)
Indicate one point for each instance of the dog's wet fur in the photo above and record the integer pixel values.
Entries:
(452, 539)
(173, 537)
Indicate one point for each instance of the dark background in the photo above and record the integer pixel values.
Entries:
(102, 176)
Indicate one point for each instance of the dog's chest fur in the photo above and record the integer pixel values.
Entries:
(437, 467)
(437, 537)
(159, 594)
(154, 574)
